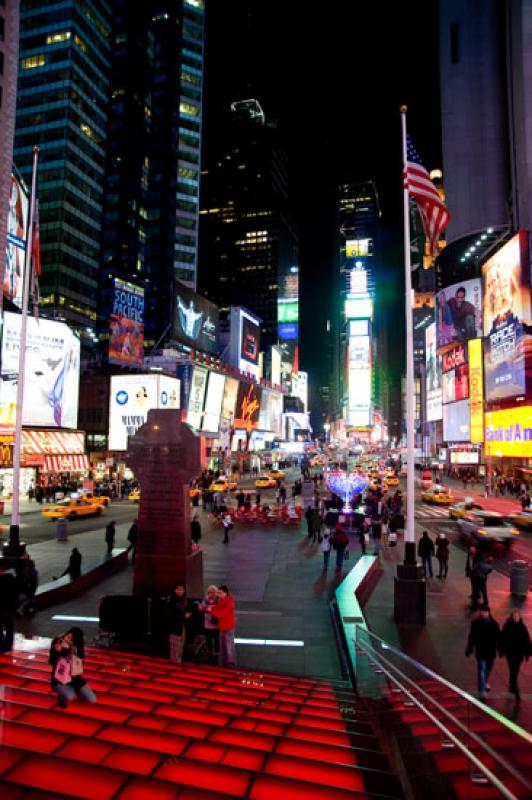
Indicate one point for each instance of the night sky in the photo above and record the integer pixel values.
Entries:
(334, 76)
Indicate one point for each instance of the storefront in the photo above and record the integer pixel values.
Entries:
(47, 457)
(508, 441)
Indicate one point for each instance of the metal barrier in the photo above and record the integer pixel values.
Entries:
(421, 686)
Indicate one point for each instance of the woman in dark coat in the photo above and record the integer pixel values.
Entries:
(514, 643)
(442, 554)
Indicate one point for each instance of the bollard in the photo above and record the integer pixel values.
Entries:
(61, 530)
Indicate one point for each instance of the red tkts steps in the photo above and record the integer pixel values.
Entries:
(161, 731)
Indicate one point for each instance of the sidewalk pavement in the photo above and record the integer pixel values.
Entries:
(441, 643)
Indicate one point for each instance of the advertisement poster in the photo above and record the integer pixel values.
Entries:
(476, 390)
(509, 432)
(169, 392)
(51, 387)
(507, 323)
(433, 375)
(126, 325)
(131, 398)
(198, 385)
(195, 320)
(459, 312)
(456, 422)
(228, 411)
(17, 220)
(250, 346)
(248, 407)
(213, 402)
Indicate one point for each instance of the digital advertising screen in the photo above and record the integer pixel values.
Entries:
(287, 310)
(51, 386)
(459, 312)
(213, 402)
(250, 342)
(169, 392)
(195, 320)
(456, 422)
(126, 325)
(288, 330)
(476, 390)
(507, 323)
(433, 373)
(465, 457)
(131, 397)
(358, 308)
(228, 411)
(359, 379)
(17, 221)
(198, 386)
(248, 407)
(509, 432)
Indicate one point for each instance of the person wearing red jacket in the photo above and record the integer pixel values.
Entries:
(224, 612)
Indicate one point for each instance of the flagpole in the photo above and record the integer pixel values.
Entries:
(14, 540)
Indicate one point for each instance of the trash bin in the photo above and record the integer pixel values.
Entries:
(519, 578)
(61, 530)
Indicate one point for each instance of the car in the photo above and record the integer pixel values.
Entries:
(276, 474)
(134, 495)
(487, 526)
(221, 484)
(391, 479)
(439, 495)
(265, 482)
(426, 479)
(72, 508)
(523, 519)
(460, 510)
(96, 498)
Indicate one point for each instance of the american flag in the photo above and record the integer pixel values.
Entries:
(420, 187)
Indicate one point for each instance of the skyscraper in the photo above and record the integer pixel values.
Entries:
(62, 107)
(249, 245)
(153, 155)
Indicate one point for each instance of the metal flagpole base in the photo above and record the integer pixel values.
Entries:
(410, 598)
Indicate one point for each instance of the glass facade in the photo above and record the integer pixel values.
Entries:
(62, 107)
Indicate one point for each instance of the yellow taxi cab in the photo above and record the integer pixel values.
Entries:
(265, 482)
(134, 495)
(72, 508)
(317, 461)
(221, 484)
(391, 479)
(96, 498)
(439, 495)
(461, 510)
(276, 474)
(523, 519)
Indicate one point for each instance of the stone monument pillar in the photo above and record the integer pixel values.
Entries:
(164, 454)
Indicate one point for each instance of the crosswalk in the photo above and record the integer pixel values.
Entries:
(432, 512)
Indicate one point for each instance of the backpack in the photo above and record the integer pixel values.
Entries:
(340, 540)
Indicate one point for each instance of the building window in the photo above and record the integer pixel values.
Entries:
(55, 38)
(187, 108)
(34, 61)
(455, 45)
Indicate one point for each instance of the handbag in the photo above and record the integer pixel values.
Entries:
(62, 672)
(76, 666)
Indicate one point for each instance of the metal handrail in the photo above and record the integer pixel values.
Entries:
(442, 727)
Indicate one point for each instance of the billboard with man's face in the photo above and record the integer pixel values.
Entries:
(195, 320)
(459, 312)
(507, 323)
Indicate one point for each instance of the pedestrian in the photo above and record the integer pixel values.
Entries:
(228, 524)
(483, 640)
(66, 659)
(257, 499)
(425, 551)
(74, 565)
(28, 583)
(376, 532)
(31, 491)
(385, 531)
(224, 613)
(282, 493)
(316, 524)
(9, 590)
(110, 533)
(177, 612)
(442, 554)
(195, 530)
(340, 541)
(308, 517)
(473, 556)
(479, 581)
(325, 547)
(210, 624)
(132, 539)
(514, 643)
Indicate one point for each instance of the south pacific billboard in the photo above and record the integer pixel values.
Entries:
(126, 325)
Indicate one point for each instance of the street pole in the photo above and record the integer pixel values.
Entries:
(409, 586)
(14, 549)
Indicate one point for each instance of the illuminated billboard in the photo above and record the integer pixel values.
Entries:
(275, 366)
(509, 432)
(433, 375)
(51, 386)
(288, 330)
(198, 385)
(507, 315)
(287, 311)
(195, 320)
(247, 407)
(359, 380)
(459, 312)
(131, 397)
(17, 220)
(227, 415)
(357, 247)
(358, 308)
(244, 344)
(213, 402)
(126, 325)
(476, 390)
(456, 422)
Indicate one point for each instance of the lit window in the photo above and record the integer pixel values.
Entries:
(80, 43)
(55, 38)
(187, 108)
(33, 61)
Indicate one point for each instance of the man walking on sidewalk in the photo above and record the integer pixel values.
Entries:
(483, 640)
(425, 551)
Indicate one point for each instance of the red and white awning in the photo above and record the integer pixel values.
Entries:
(66, 463)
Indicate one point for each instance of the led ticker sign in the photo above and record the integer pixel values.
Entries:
(476, 391)
(509, 432)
